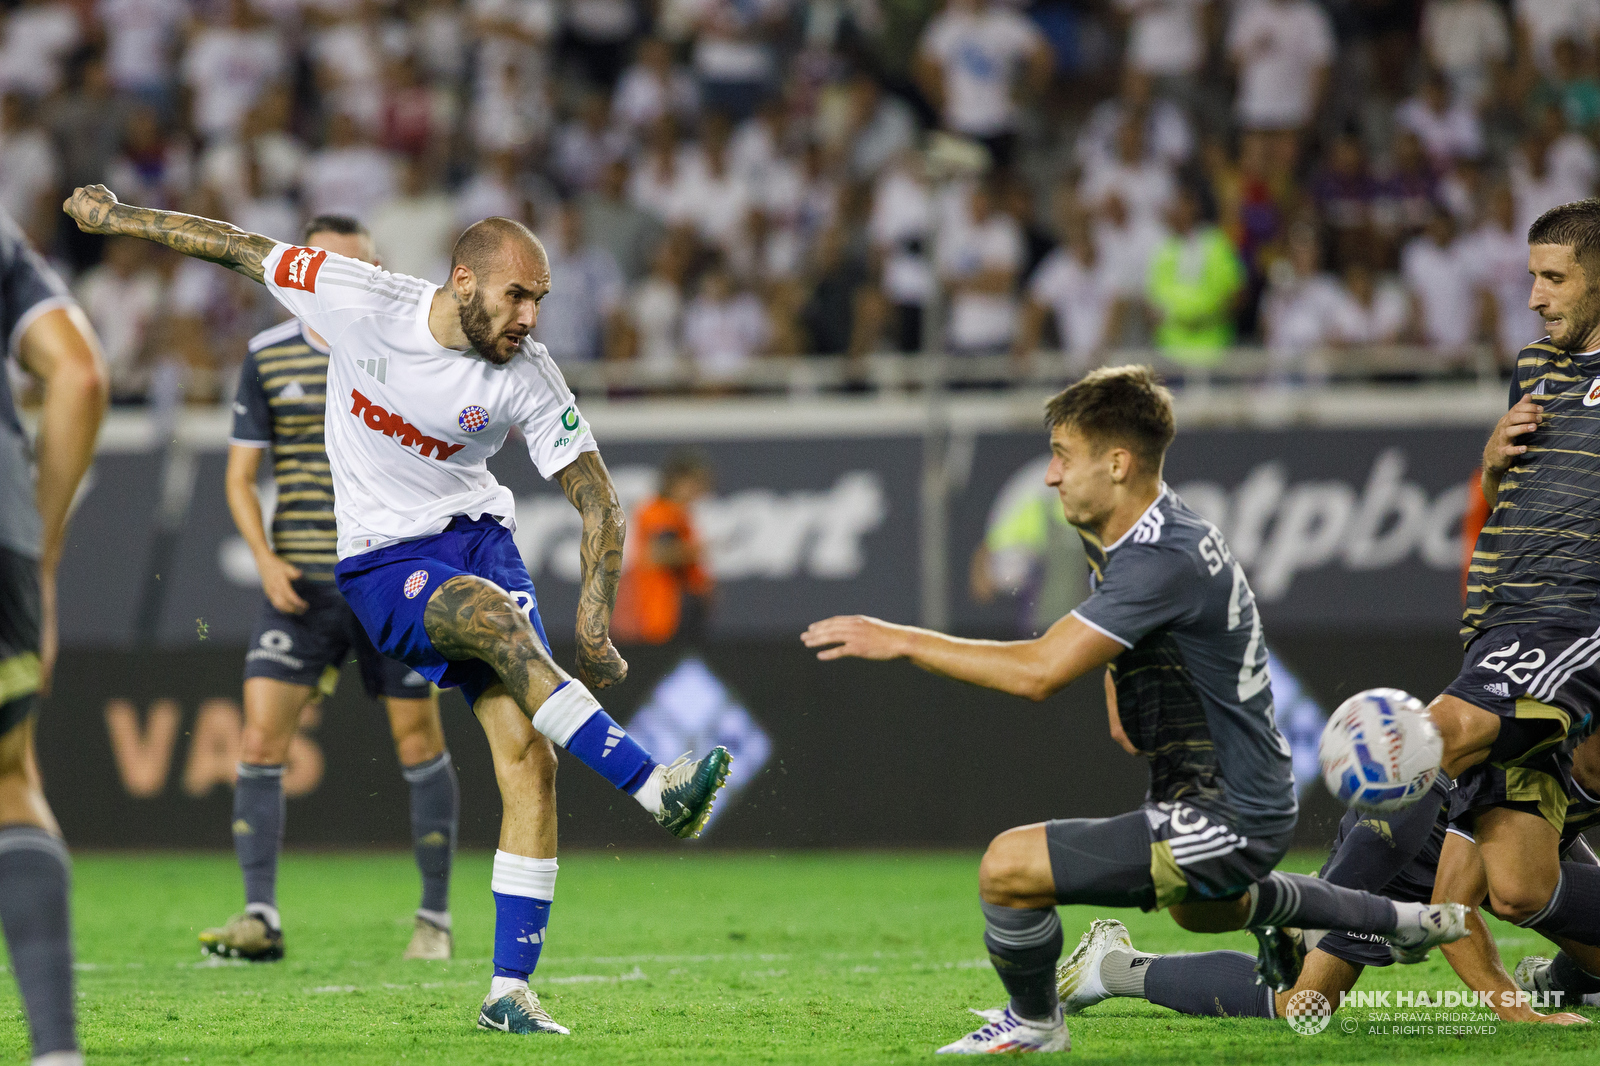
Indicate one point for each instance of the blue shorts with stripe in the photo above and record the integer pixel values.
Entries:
(1546, 677)
(388, 589)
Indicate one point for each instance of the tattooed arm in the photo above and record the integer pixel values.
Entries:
(97, 210)
(587, 484)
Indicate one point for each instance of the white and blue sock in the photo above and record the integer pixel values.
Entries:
(523, 890)
(574, 719)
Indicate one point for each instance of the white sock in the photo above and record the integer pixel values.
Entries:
(500, 986)
(59, 1058)
(267, 913)
(439, 918)
(649, 794)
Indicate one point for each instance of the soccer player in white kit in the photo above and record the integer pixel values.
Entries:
(424, 383)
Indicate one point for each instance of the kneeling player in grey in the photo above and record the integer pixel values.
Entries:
(1172, 614)
(53, 341)
(307, 632)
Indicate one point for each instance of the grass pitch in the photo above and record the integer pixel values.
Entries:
(652, 958)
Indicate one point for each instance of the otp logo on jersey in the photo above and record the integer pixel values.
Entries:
(298, 268)
(414, 584)
(472, 418)
(390, 424)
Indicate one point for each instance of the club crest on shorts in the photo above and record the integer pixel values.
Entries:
(414, 583)
(472, 418)
(1592, 397)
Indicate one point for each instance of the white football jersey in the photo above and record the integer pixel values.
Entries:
(410, 423)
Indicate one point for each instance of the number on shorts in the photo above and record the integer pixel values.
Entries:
(1519, 671)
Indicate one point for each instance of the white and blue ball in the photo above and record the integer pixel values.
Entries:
(1379, 752)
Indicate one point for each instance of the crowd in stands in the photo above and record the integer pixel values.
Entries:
(717, 181)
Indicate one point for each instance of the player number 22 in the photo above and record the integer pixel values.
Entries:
(1518, 671)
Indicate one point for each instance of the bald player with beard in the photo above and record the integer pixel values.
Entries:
(424, 384)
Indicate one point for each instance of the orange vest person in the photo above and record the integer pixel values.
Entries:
(665, 587)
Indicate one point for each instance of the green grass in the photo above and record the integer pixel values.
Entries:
(652, 958)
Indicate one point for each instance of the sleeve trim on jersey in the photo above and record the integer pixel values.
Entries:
(32, 314)
(1102, 630)
(250, 443)
(1462, 834)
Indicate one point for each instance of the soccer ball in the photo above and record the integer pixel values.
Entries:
(1379, 752)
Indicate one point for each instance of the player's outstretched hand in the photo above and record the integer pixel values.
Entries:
(1509, 438)
(1564, 1018)
(855, 635)
(277, 581)
(604, 669)
(90, 206)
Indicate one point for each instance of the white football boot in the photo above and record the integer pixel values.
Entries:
(1007, 1033)
(1424, 926)
(1078, 976)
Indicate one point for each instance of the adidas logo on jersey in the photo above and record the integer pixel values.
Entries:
(1148, 529)
(390, 424)
(377, 367)
(1499, 688)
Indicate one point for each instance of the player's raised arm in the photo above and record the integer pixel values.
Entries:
(587, 483)
(96, 210)
(1033, 669)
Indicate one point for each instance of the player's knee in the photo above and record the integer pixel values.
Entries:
(418, 747)
(263, 745)
(1517, 902)
(1005, 875)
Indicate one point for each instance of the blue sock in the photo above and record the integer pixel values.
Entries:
(523, 889)
(574, 719)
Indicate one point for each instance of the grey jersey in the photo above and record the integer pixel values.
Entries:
(1192, 687)
(28, 288)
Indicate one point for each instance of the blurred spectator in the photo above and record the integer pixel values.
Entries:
(1439, 278)
(1541, 23)
(1407, 194)
(27, 165)
(666, 587)
(829, 315)
(510, 70)
(586, 144)
(86, 124)
(1465, 38)
(123, 298)
(731, 54)
(346, 60)
(1167, 133)
(655, 307)
(1195, 280)
(265, 136)
(1030, 551)
(598, 32)
(1142, 180)
(1571, 85)
(1074, 283)
(1370, 310)
(901, 230)
(1345, 193)
(724, 328)
(415, 114)
(1299, 306)
(1126, 246)
(226, 66)
(256, 208)
(1550, 168)
(709, 195)
(653, 87)
(1498, 252)
(652, 184)
(1449, 129)
(1166, 38)
(629, 233)
(349, 175)
(154, 168)
(439, 40)
(980, 256)
(1283, 50)
(586, 291)
(969, 63)
(879, 127)
(38, 36)
(414, 232)
(494, 189)
(140, 35)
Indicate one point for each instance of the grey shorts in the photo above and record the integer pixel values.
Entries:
(1161, 854)
(311, 648)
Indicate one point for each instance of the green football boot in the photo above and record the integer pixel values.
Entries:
(688, 789)
(518, 1011)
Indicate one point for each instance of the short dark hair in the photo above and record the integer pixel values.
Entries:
(1576, 226)
(1125, 405)
(343, 225)
(480, 241)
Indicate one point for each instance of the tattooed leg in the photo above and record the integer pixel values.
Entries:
(470, 618)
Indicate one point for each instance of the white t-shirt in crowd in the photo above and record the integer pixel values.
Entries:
(981, 320)
(27, 171)
(122, 310)
(139, 39)
(1165, 37)
(1463, 37)
(979, 53)
(1299, 316)
(901, 227)
(1126, 252)
(1499, 261)
(33, 43)
(1456, 134)
(1081, 297)
(1145, 188)
(1442, 281)
(352, 181)
(1571, 167)
(723, 336)
(410, 423)
(1377, 323)
(1167, 132)
(1547, 21)
(227, 68)
(414, 235)
(1279, 46)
